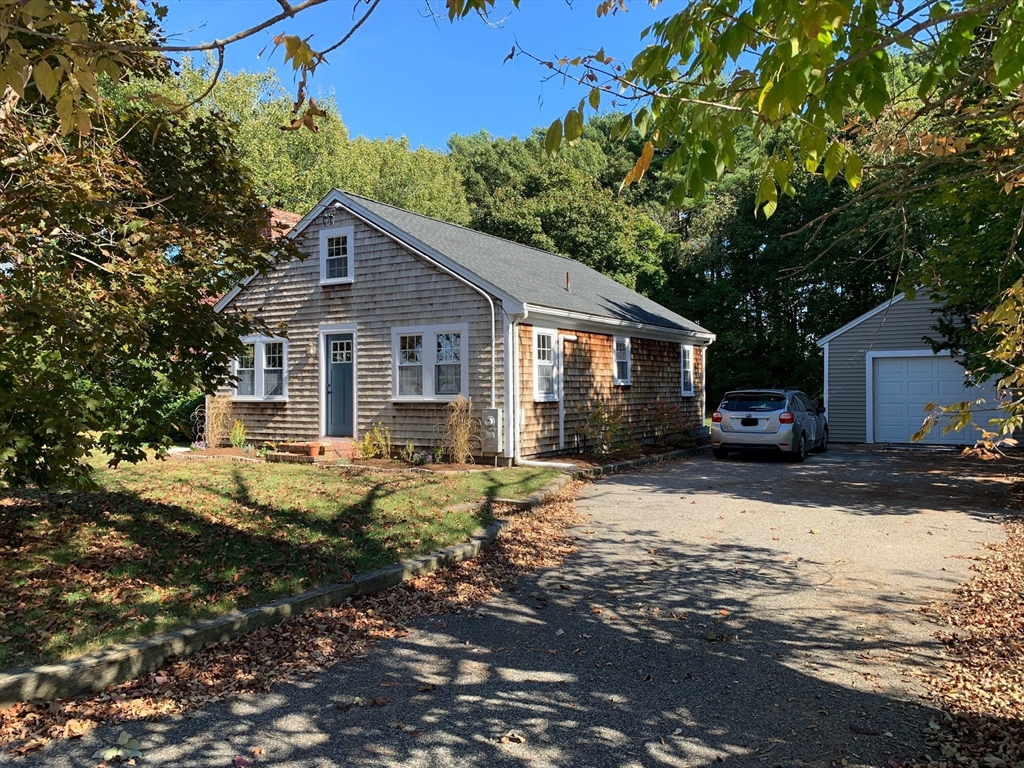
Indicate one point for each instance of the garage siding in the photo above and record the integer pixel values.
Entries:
(902, 326)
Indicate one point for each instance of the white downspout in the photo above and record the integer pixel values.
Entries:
(518, 460)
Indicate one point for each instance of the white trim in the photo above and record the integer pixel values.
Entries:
(430, 360)
(857, 321)
(323, 331)
(607, 326)
(869, 379)
(616, 381)
(683, 392)
(259, 365)
(703, 384)
(349, 233)
(508, 369)
(824, 394)
(546, 397)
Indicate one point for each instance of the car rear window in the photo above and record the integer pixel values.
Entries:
(753, 401)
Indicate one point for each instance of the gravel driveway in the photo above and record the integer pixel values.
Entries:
(747, 611)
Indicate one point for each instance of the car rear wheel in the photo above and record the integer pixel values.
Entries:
(823, 445)
(720, 453)
(801, 449)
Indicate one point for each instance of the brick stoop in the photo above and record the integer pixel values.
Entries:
(339, 448)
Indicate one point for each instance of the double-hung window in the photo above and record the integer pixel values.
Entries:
(262, 369)
(686, 366)
(623, 362)
(430, 363)
(545, 365)
(336, 246)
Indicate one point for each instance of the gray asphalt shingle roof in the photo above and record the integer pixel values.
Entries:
(528, 274)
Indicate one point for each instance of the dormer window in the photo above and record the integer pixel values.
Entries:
(336, 251)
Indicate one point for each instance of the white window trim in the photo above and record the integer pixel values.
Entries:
(259, 362)
(556, 368)
(348, 232)
(686, 363)
(429, 333)
(628, 381)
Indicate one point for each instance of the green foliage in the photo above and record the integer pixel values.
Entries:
(294, 170)
(238, 434)
(758, 285)
(376, 442)
(408, 452)
(604, 429)
(113, 246)
(667, 424)
(560, 206)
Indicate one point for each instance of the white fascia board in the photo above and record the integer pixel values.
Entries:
(581, 321)
(857, 321)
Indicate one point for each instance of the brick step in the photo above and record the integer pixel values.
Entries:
(296, 448)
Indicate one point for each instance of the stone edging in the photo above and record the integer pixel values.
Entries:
(621, 466)
(118, 663)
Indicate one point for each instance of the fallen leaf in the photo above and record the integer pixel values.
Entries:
(513, 737)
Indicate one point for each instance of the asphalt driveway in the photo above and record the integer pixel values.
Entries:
(745, 611)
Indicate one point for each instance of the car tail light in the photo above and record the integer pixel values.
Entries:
(716, 417)
(786, 418)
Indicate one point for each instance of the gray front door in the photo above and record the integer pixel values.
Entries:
(340, 354)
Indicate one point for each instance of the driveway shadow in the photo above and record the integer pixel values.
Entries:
(712, 614)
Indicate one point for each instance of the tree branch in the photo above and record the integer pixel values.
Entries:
(157, 47)
(357, 25)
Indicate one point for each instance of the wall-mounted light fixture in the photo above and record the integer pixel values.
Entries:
(330, 213)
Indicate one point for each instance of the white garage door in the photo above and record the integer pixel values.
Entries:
(904, 385)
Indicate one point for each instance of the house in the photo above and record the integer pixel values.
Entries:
(393, 314)
(880, 373)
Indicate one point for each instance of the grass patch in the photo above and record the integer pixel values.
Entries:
(163, 544)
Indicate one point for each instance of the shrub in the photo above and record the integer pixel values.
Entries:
(376, 442)
(604, 430)
(238, 434)
(408, 453)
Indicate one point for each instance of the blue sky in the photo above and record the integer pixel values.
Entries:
(406, 74)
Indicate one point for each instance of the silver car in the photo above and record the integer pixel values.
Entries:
(777, 420)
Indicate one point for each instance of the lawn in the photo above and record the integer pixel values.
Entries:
(162, 544)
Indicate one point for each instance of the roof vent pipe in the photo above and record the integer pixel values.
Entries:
(568, 283)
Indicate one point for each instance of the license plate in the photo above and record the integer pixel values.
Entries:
(748, 422)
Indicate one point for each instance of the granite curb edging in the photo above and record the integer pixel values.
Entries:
(115, 664)
(621, 466)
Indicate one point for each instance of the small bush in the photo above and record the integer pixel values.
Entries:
(408, 453)
(238, 434)
(376, 442)
(667, 424)
(604, 430)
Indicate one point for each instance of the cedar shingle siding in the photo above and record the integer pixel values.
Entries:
(588, 366)
(392, 288)
(412, 271)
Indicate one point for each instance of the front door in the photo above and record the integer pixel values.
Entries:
(339, 384)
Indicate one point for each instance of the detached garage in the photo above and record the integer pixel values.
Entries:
(880, 374)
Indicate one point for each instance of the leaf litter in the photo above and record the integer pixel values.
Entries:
(981, 689)
(307, 644)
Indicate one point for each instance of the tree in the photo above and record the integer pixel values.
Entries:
(295, 169)
(517, 193)
(828, 73)
(114, 244)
